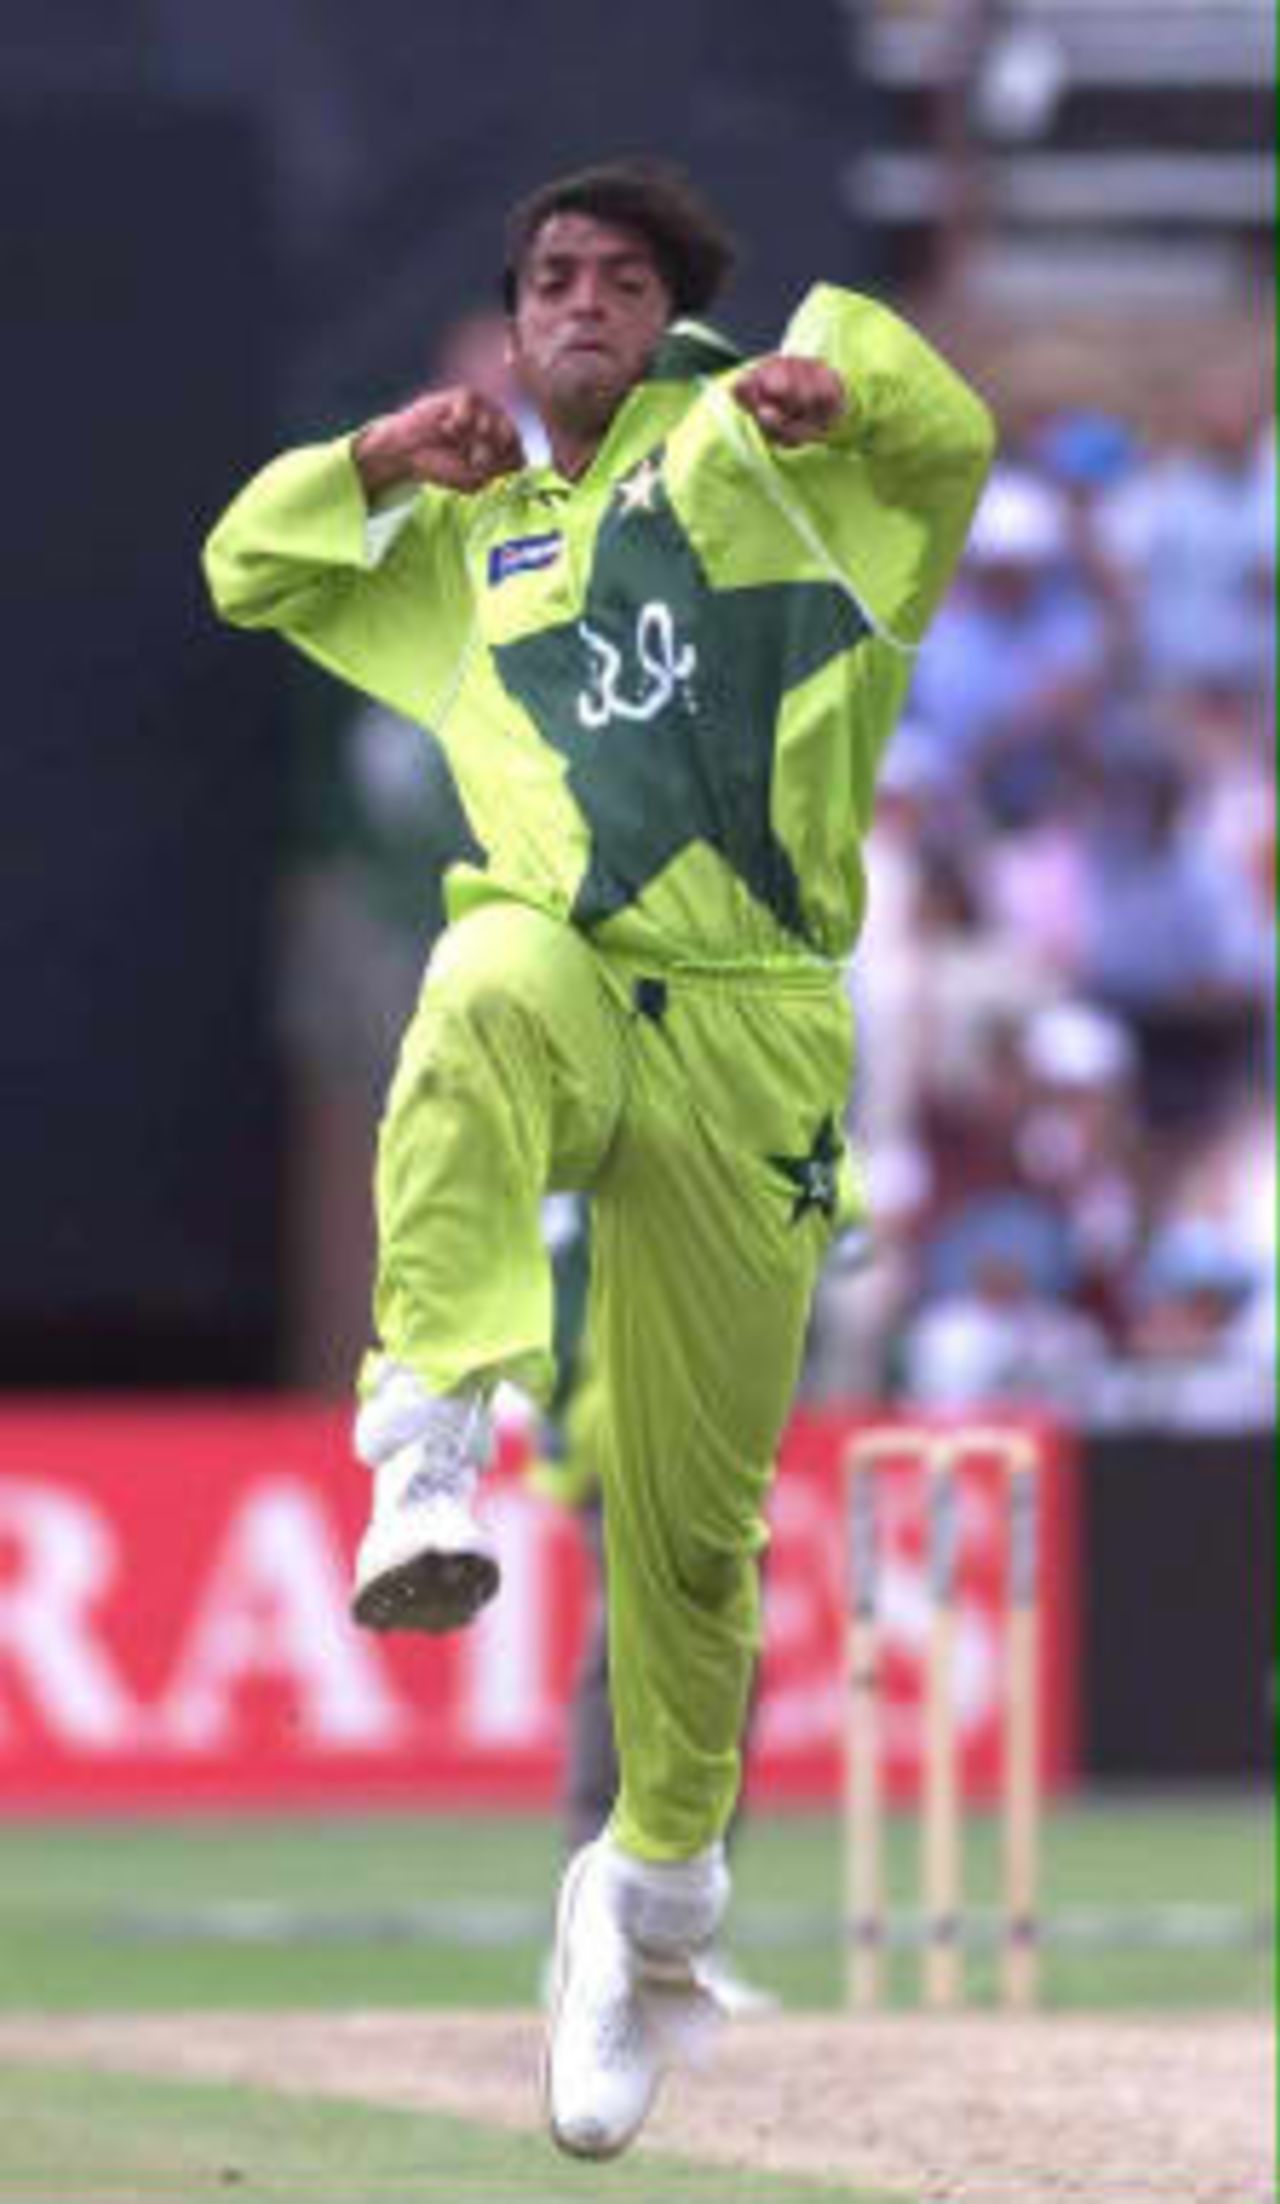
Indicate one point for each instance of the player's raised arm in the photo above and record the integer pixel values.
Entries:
(289, 539)
(321, 509)
(457, 439)
(341, 546)
(793, 401)
(883, 445)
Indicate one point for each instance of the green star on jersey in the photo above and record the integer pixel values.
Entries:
(664, 700)
(815, 1176)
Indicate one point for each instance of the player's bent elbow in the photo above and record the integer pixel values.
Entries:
(975, 441)
(240, 592)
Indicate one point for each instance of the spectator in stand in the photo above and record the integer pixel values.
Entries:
(1224, 734)
(1035, 877)
(1195, 1285)
(1195, 536)
(1078, 1147)
(1171, 944)
(977, 986)
(1204, 1327)
(1020, 654)
(919, 796)
(997, 1326)
(1087, 453)
(1089, 456)
(1227, 1187)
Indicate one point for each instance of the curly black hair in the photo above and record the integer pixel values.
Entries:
(693, 249)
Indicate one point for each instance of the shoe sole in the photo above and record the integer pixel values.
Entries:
(572, 2147)
(431, 1592)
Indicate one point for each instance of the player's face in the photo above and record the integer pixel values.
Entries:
(590, 311)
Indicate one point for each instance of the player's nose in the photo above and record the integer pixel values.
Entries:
(586, 297)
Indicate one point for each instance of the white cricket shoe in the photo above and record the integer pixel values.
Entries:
(425, 1562)
(625, 2006)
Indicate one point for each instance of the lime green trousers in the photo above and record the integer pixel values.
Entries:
(702, 1115)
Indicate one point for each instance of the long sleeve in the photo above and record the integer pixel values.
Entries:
(889, 497)
(385, 603)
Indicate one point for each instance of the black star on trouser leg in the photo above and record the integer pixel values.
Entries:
(814, 1176)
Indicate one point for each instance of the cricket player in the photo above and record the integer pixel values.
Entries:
(664, 667)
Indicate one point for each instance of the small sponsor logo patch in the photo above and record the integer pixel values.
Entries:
(523, 555)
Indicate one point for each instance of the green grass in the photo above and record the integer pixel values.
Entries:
(121, 1914)
(71, 2138)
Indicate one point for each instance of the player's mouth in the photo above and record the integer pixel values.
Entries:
(586, 347)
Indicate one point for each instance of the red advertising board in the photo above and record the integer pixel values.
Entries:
(174, 1630)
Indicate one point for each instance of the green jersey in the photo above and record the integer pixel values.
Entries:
(664, 687)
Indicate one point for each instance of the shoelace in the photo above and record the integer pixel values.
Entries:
(453, 1472)
(619, 2028)
(455, 1478)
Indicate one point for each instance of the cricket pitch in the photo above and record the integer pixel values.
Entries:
(971, 2109)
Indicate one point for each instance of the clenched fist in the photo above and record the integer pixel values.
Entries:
(455, 438)
(792, 400)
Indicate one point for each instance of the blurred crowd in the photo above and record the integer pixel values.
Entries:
(1066, 984)
(1065, 987)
